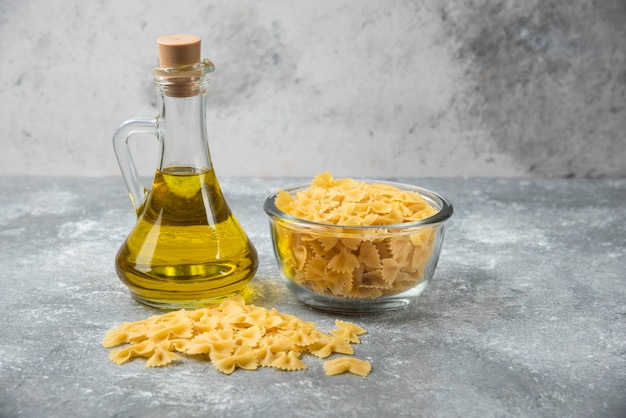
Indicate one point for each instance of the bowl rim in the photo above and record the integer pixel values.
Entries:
(443, 214)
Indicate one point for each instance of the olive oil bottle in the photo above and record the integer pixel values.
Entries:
(186, 249)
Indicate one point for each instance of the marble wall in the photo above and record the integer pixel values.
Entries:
(361, 88)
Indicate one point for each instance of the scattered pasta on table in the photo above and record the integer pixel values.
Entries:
(234, 335)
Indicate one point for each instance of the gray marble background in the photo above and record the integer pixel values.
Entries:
(361, 88)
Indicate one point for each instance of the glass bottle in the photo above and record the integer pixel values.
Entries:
(186, 249)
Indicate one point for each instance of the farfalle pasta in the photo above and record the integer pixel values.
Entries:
(347, 364)
(358, 263)
(232, 336)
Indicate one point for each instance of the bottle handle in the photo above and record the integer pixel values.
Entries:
(124, 132)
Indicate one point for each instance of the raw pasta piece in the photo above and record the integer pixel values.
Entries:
(318, 285)
(300, 254)
(324, 179)
(420, 260)
(382, 246)
(403, 196)
(244, 358)
(207, 323)
(196, 315)
(126, 333)
(321, 350)
(371, 219)
(249, 336)
(222, 341)
(303, 337)
(347, 364)
(339, 283)
(348, 331)
(328, 243)
(351, 326)
(291, 322)
(232, 306)
(262, 318)
(265, 356)
(178, 326)
(395, 216)
(344, 262)
(349, 220)
(181, 345)
(368, 255)
(289, 360)
(162, 355)
(401, 248)
(315, 248)
(142, 349)
(283, 201)
(200, 344)
(316, 268)
(351, 243)
(390, 270)
(234, 320)
(421, 239)
(334, 345)
(352, 195)
(269, 347)
(161, 332)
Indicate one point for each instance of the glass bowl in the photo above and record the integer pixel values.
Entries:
(356, 269)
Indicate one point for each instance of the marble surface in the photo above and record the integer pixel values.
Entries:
(405, 88)
(525, 316)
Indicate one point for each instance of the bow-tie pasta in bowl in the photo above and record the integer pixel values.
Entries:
(356, 246)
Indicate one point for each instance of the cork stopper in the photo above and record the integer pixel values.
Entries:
(178, 73)
(177, 50)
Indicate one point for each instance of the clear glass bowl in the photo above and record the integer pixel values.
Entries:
(375, 268)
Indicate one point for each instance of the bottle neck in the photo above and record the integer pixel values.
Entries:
(181, 125)
(181, 128)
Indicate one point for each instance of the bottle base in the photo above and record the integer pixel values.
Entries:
(201, 302)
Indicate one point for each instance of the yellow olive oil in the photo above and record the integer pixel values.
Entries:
(186, 249)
